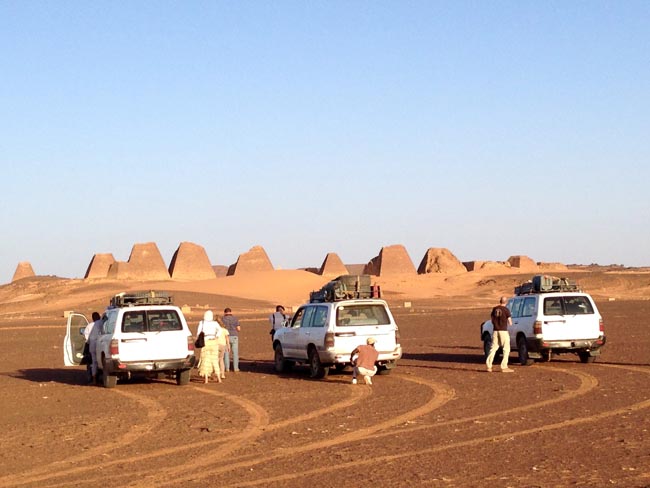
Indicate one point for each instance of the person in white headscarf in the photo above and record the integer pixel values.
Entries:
(210, 352)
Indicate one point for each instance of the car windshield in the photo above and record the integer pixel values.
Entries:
(151, 321)
(362, 314)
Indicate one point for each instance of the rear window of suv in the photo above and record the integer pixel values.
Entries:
(578, 305)
(151, 321)
(371, 314)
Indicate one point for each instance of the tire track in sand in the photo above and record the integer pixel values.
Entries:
(441, 395)
(569, 423)
(155, 415)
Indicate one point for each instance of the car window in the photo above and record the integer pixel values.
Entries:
(516, 308)
(151, 321)
(133, 321)
(297, 319)
(320, 317)
(163, 320)
(528, 307)
(362, 314)
(109, 323)
(579, 305)
(553, 306)
(307, 319)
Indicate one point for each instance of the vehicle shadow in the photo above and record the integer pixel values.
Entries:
(443, 357)
(44, 375)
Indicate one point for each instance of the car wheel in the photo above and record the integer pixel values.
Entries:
(182, 377)
(383, 370)
(281, 365)
(487, 345)
(585, 357)
(522, 349)
(316, 368)
(108, 380)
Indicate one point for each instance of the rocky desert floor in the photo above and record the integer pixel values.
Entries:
(437, 420)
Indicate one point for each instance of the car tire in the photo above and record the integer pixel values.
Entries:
(182, 377)
(522, 349)
(316, 368)
(280, 364)
(383, 370)
(585, 357)
(108, 380)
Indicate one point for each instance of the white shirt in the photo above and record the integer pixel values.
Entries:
(210, 329)
(277, 320)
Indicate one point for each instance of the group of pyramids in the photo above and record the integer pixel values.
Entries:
(191, 262)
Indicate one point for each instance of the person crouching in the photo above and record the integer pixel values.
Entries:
(364, 363)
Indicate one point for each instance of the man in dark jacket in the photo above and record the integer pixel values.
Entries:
(501, 320)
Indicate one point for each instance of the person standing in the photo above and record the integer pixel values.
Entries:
(501, 320)
(277, 320)
(223, 342)
(364, 363)
(91, 333)
(231, 324)
(210, 352)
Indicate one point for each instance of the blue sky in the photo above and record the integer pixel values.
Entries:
(488, 128)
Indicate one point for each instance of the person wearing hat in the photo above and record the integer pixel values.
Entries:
(364, 363)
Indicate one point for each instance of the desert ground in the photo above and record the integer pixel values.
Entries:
(437, 420)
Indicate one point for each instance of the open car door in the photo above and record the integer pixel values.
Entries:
(74, 341)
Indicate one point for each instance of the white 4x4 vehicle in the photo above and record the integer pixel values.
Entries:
(551, 316)
(141, 333)
(324, 334)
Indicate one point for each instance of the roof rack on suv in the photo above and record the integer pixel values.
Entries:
(345, 287)
(546, 284)
(152, 297)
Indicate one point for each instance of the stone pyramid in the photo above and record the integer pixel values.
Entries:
(99, 266)
(391, 260)
(254, 260)
(440, 260)
(190, 262)
(23, 270)
(522, 262)
(145, 263)
(332, 265)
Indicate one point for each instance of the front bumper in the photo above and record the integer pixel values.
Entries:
(114, 366)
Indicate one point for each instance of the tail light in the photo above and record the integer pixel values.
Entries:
(190, 343)
(601, 327)
(537, 328)
(329, 340)
(397, 337)
(115, 348)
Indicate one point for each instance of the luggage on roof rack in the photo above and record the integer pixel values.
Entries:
(546, 284)
(345, 287)
(152, 297)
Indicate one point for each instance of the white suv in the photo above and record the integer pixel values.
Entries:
(553, 319)
(324, 334)
(141, 333)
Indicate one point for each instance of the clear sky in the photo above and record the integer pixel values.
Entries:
(489, 128)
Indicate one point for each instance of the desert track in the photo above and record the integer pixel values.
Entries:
(436, 421)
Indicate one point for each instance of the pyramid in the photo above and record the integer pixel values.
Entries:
(23, 270)
(440, 260)
(190, 262)
(99, 266)
(332, 265)
(254, 260)
(522, 262)
(391, 260)
(145, 263)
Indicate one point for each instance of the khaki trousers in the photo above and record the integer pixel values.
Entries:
(499, 338)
